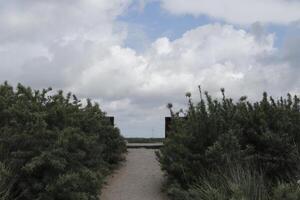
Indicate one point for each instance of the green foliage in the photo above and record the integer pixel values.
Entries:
(232, 183)
(214, 135)
(235, 183)
(52, 147)
(6, 182)
(285, 191)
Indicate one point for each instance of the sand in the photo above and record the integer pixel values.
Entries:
(140, 178)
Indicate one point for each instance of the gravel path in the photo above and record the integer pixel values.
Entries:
(140, 178)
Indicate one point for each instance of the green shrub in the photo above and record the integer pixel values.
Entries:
(234, 183)
(212, 135)
(53, 147)
(6, 182)
(286, 191)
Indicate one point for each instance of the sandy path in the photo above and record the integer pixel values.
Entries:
(140, 178)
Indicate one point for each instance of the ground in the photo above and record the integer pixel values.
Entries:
(140, 178)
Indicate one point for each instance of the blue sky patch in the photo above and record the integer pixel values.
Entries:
(145, 26)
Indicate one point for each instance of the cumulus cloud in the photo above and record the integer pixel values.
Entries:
(79, 47)
(216, 56)
(242, 12)
(56, 36)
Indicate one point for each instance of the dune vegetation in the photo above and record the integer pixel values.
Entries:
(52, 147)
(221, 149)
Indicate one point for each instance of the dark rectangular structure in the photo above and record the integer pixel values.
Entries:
(111, 120)
(167, 126)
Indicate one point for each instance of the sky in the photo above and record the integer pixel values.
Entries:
(135, 56)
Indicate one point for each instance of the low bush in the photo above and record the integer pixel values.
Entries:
(286, 191)
(52, 147)
(214, 136)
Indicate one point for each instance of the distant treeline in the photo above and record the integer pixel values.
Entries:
(226, 149)
(52, 147)
(144, 140)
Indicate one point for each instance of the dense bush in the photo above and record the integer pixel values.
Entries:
(215, 136)
(52, 147)
(235, 183)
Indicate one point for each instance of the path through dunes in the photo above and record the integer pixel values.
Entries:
(140, 178)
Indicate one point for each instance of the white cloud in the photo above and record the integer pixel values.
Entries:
(45, 21)
(212, 55)
(44, 40)
(115, 75)
(239, 11)
(80, 47)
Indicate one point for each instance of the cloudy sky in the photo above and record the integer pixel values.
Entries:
(135, 56)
